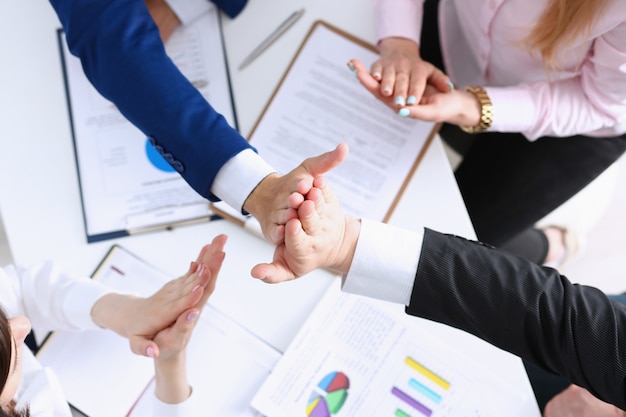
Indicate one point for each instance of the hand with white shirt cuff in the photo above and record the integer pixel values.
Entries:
(318, 233)
(268, 201)
(376, 260)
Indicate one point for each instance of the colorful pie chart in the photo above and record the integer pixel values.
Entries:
(329, 395)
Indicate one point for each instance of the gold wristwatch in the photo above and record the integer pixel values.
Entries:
(486, 110)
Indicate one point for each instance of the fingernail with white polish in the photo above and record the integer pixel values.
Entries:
(451, 85)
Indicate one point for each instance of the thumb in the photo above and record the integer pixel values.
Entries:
(143, 346)
(186, 322)
(440, 81)
(276, 271)
(321, 164)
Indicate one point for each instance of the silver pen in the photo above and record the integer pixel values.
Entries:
(272, 37)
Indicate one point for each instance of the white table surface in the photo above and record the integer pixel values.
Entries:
(39, 193)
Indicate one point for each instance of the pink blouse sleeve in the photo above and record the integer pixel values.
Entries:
(592, 102)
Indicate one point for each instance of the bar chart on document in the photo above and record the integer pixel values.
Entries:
(421, 389)
(357, 358)
(423, 383)
(418, 389)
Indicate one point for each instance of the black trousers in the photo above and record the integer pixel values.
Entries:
(509, 183)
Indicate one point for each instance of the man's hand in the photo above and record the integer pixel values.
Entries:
(578, 402)
(164, 17)
(320, 235)
(268, 202)
(139, 319)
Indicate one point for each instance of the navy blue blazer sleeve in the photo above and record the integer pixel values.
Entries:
(568, 329)
(124, 58)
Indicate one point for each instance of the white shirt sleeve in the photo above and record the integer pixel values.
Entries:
(40, 390)
(189, 10)
(239, 177)
(50, 298)
(385, 262)
(184, 409)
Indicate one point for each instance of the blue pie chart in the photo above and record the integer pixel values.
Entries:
(156, 159)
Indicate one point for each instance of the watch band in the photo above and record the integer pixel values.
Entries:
(486, 110)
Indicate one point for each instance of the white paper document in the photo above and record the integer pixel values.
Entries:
(126, 185)
(320, 104)
(101, 377)
(357, 357)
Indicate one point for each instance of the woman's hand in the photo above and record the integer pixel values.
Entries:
(403, 75)
(140, 319)
(170, 372)
(452, 106)
(457, 107)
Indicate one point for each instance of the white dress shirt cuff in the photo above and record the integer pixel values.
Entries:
(189, 10)
(385, 262)
(239, 177)
(184, 409)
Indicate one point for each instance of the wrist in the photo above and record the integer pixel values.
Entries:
(170, 377)
(260, 195)
(112, 311)
(348, 245)
(398, 44)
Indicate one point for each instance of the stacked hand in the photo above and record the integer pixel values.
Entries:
(317, 235)
(415, 88)
(161, 325)
(269, 201)
(400, 76)
(141, 319)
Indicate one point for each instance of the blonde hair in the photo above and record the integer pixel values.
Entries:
(560, 24)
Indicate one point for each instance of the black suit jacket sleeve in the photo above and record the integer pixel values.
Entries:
(531, 311)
